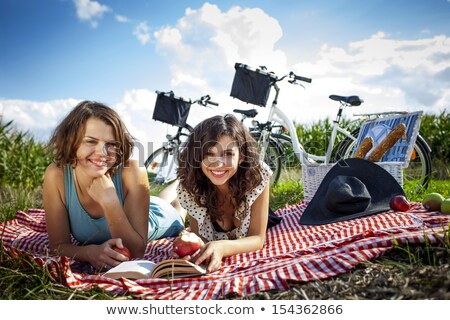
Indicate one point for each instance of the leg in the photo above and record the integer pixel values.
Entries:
(170, 195)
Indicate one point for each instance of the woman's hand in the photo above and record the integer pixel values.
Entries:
(212, 252)
(174, 255)
(102, 190)
(103, 256)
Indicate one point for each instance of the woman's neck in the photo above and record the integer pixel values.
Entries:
(82, 181)
(223, 190)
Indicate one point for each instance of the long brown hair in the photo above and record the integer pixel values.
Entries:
(193, 180)
(68, 135)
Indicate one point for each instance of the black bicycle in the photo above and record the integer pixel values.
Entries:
(162, 164)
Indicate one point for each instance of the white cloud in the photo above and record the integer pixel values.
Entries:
(141, 32)
(91, 11)
(136, 109)
(37, 117)
(122, 19)
(387, 73)
(204, 45)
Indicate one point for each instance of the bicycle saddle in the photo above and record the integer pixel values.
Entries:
(248, 113)
(351, 100)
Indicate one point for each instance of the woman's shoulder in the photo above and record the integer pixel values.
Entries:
(183, 195)
(265, 169)
(54, 172)
(266, 174)
(132, 167)
(54, 180)
(133, 173)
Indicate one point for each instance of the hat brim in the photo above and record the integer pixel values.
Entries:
(381, 185)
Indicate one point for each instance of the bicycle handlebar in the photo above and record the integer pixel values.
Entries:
(204, 100)
(263, 70)
(299, 78)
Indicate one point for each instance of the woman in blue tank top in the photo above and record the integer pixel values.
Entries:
(96, 197)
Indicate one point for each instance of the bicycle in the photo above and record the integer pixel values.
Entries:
(161, 164)
(252, 85)
(279, 144)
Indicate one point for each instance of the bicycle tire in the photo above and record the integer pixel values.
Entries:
(418, 173)
(272, 158)
(289, 159)
(419, 166)
(162, 164)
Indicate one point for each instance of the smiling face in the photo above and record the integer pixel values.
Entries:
(221, 162)
(98, 149)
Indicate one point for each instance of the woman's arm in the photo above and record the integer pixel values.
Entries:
(193, 226)
(130, 223)
(214, 251)
(58, 229)
(56, 215)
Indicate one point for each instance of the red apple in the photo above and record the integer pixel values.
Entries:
(186, 243)
(399, 203)
(125, 251)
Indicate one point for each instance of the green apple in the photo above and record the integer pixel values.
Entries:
(432, 201)
(445, 206)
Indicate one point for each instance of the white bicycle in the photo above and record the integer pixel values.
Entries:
(252, 85)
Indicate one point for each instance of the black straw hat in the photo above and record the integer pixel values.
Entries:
(352, 188)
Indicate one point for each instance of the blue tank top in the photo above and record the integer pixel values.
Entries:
(84, 228)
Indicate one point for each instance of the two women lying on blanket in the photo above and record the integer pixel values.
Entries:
(96, 194)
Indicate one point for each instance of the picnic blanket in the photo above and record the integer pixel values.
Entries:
(292, 252)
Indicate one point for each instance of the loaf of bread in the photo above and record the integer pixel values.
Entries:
(364, 147)
(380, 150)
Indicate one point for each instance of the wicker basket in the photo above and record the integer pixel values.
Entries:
(312, 175)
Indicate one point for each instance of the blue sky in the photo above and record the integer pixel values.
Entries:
(55, 53)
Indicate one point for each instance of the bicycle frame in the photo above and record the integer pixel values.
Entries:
(278, 116)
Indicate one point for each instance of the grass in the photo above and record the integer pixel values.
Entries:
(290, 189)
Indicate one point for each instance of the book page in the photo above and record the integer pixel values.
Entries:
(135, 269)
(177, 268)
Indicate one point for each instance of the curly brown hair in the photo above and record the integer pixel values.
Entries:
(68, 135)
(193, 180)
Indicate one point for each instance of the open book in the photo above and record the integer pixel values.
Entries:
(144, 269)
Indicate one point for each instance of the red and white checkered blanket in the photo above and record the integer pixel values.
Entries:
(292, 252)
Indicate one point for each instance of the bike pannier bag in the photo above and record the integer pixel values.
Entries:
(170, 109)
(251, 86)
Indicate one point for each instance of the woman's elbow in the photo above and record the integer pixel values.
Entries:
(139, 252)
(260, 243)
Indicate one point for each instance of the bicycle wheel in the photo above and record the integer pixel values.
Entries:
(289, 158)
(161, 165)
(345, 148)
(272, 157)
(418, 173)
